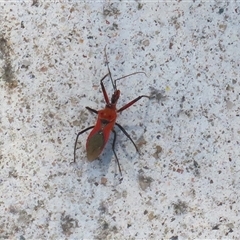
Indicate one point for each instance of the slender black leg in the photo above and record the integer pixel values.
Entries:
(92, 110)
(113, 148)
(75, 145)
(127, 135)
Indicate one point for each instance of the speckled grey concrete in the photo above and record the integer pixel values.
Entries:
(185, 184)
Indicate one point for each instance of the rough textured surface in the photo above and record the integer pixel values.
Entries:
(186, 182)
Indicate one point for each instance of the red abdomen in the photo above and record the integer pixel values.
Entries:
(99, 136)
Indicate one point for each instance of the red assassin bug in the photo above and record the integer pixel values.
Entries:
(106, 120)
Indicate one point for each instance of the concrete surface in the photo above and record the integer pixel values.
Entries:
(185, 184)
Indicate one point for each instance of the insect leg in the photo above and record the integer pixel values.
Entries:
(113, 148)
(132, 102)
(104, 90)
(127, 135)
(92, 110)
(75, 145)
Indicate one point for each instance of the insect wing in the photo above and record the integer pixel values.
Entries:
(95, 145)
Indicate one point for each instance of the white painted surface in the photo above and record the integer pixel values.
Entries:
(185, 183)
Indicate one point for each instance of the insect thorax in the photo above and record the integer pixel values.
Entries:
(107, 115)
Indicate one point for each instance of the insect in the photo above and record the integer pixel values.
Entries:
(106, 121)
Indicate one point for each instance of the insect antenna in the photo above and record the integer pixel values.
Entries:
(115, 81)
(110, 74)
